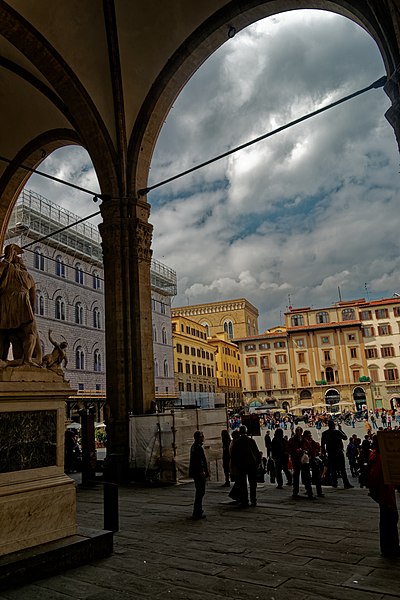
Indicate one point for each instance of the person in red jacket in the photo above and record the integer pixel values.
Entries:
(385, 496)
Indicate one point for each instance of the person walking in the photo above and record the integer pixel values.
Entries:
(267, 442)
(245, 458)
(332, 447)
(280, 456)
(198, 470)
(295, 449)
(313, 470)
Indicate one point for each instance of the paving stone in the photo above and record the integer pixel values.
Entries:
(329, 591)
(376, 583)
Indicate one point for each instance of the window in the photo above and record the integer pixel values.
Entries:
(368, 331)
(327, 355)
(251, 361)
(387, 351)
(382, 313)
(356, 375)
(264, 346)
(299, 342)
(322, 317)
(304, 380)
(267, 380)
(187, 368)
(180, 367)
(297, 320)
(250, 347)
(281, 359)
(194, 369)
(79, 274)
(162, 308)
(264, 362)
(384, 330)
(79, 359)
(228, 328)
(181, 387)
(187, 351)
(78, 313)
(374, 375)
(329, 375)
(301, 356)
(371, 353)
(39, 304)
(283, 379)
(348, 314)
(60, 309)
(353, 352)
(193, 351)
(207, 326)
(154, 333)
(166, 368)
(164, 335)
(253, 381)
(96, 281)
(97, 361)
(351, 337)
(365, 315)
(280, 345)
(179, 348)
(38, 261)
(60, 267)
(325, 340)
(96, 318)
(396, 311)
(188, 387)
(391, 374)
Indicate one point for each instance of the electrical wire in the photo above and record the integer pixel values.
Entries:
(375, 85)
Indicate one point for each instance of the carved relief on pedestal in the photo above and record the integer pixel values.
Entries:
(143, 236)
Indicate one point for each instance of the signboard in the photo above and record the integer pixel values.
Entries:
(389, 447)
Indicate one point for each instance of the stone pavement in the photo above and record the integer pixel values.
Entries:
(281, 549)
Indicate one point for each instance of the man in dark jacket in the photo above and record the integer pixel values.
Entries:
(332, 446)
(245, 458)
(198, 470)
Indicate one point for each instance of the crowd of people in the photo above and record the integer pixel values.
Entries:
(299, 458)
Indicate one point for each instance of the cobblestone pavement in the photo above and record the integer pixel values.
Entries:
(283, 548)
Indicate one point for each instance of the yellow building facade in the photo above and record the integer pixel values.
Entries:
(228, 369)
(237, 318)
(194, 357)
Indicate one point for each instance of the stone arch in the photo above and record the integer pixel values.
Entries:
(212, 34)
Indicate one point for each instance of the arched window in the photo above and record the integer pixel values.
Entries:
(228, 328)
(164, 336)
(297, 320)
(79, 274)
(156, 370)
(154, 333)
(166, 368)
(38, 261)
(60, 309)
(97, 361)
(207, 326)
(96, 318)
(60, 267)
(78, 313)
(39, 304)
(322, 317)
(96, 281)
(348, 314)
(79, 359)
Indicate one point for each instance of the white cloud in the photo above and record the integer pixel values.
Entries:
(297, 216)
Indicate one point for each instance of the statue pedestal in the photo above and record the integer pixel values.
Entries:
(37, 500)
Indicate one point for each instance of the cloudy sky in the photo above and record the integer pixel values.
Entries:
(293, 218)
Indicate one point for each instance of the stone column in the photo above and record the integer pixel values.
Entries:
(126, 240)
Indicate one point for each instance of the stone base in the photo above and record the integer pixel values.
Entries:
(48, 559)
(35, 512)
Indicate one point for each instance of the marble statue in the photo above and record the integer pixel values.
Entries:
(17, 306)
(57, 356)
